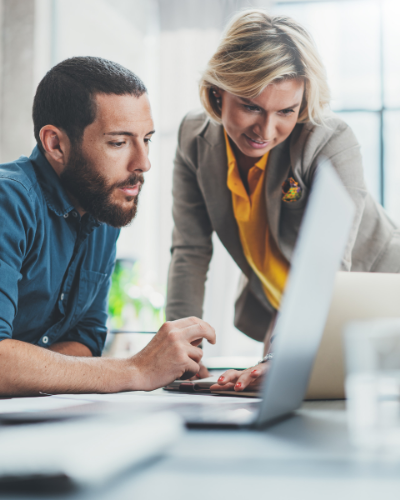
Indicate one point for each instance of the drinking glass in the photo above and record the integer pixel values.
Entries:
(372, 350)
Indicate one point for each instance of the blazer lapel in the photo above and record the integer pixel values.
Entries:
(278, 168)
(212, 175)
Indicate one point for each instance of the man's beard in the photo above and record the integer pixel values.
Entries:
(91, 190)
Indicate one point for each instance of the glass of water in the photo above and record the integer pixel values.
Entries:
(372, 351)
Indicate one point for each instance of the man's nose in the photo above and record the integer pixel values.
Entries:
(139, 160)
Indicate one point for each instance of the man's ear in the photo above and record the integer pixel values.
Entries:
(57, 146)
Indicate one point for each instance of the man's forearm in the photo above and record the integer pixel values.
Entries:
(27, 369)
(71, 349)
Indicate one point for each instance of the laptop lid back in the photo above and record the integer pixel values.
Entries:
(300, 323)
(356, 297)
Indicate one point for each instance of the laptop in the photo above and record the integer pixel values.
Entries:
(356, 297)
(300, 322)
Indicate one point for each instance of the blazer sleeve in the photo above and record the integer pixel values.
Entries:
(191, 238)
(342, 150)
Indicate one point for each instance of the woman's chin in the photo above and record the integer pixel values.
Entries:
(253, 152)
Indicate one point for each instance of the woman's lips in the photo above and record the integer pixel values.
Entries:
(131, 190)
(256, 144)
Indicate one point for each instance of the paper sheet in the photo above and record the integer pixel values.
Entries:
(157, 397)
(29, 405)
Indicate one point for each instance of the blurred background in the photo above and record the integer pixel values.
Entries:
(167, 43)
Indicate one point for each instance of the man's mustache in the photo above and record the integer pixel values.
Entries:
(131, 181)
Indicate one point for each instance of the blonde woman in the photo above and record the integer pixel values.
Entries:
(244, 168)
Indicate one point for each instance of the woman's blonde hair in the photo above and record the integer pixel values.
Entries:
(258, 49)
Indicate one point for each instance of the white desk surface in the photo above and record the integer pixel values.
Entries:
(305, 457)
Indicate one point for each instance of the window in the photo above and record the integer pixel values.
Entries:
(358, 41)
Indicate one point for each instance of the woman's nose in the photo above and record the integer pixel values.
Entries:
(266, 128)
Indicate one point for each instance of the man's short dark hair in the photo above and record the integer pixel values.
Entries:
(65, 97)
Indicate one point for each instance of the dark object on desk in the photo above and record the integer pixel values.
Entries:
(44, 485)
(197, 386)
(38, 417)
(202, 386)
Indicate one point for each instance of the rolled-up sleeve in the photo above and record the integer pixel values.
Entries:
(17, 228)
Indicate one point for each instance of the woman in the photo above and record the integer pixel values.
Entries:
(245, 166)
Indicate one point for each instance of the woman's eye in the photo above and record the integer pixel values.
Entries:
(251, 108)
(286, 112)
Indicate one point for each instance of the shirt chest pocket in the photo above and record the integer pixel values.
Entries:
(90, 283)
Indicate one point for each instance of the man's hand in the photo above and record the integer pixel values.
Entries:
(202, 373)
(172, 353)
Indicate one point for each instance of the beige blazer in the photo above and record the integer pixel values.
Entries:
(203, 204)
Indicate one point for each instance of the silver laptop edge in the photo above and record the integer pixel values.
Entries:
(318, 252)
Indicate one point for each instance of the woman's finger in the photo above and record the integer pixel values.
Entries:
(244, 380)
(229, 376)
(252, 377)
(228, 387)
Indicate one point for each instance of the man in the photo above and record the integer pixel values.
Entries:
(60, 211)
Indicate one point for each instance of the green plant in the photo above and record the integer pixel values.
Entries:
(129, 288)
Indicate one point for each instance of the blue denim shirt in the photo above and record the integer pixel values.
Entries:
(55, 267)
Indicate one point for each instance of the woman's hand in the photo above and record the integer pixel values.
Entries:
(250, 379)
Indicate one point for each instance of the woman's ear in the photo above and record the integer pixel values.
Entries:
(56, 144)
(217, 95)
(217, 92)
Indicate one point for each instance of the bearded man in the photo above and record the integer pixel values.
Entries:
(61, 210)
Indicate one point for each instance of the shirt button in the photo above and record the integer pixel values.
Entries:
(65, 216)
(74, 214)
(62, 296)
(45, 339)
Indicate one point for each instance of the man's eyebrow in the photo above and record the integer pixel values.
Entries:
(130, 134)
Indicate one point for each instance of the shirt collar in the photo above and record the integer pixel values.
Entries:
(53, 191)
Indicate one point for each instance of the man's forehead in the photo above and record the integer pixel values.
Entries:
(123, 112)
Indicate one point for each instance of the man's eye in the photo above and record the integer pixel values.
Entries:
(147, 140)
(117, 144)
(251, 108)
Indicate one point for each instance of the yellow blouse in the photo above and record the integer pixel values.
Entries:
(250, 212)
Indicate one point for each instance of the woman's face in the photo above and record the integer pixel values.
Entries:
(258, 125)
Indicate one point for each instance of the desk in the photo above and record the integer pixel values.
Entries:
(305, 457)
